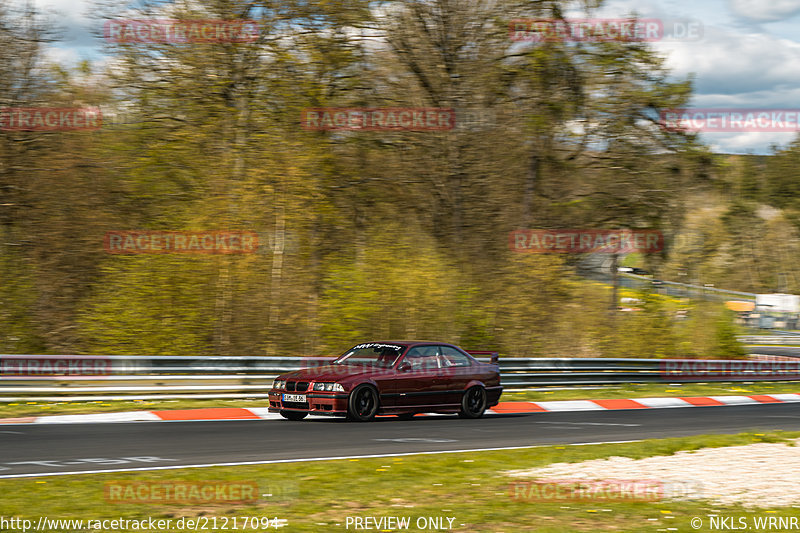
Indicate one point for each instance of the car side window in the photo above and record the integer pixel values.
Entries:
(423, 358)
(452, 357)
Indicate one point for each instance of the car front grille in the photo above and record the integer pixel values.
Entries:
(296, 386)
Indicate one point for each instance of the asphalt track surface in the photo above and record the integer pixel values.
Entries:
(56, 449)
(786, 351)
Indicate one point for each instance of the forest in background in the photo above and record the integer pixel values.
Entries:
(368, 234)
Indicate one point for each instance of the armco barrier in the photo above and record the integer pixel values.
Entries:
(785, 339)
(77, 378)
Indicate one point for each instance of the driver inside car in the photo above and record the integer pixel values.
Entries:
(423, 358)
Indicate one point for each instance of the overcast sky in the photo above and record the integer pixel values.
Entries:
(748, 55)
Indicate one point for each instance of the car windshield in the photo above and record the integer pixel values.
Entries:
(373, 354)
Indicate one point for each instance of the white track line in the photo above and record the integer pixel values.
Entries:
(308, 459)
(125, 416)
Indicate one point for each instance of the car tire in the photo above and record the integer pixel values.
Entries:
(406, 416)
(473, 403)
(362, 405)
(293, 415)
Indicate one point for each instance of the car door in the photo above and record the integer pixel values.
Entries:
(419, 384)
(456, 372)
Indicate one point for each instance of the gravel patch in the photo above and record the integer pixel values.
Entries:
(755, 475)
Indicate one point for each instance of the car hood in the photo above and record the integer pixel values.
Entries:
(334, 372)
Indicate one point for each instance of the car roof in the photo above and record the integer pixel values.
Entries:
(408, 343)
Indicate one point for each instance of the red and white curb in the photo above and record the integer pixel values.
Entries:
(642, 403)
(262, 413)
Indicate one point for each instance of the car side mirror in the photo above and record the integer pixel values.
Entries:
(404, 367)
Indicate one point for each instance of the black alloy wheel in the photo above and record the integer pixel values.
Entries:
(473, 404)
(363, 403)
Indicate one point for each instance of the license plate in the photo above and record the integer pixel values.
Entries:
(301, 398)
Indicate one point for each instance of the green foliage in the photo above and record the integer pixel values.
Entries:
(399, 287)
(531, 297)
(18, 333)
(152, 304)
(783, 177)
(373, 233)
(649, 333)
(709, 333)
(726, 345)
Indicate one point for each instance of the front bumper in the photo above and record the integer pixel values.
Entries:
(317, 403)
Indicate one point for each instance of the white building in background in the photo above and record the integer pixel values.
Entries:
(778, 303)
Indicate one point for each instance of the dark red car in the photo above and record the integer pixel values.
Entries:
(390, 377)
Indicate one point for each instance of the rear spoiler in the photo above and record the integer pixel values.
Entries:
(494, 355)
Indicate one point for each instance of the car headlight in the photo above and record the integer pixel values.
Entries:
(278, 384)
(323, 386)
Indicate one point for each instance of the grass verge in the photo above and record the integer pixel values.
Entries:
(320, 496)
